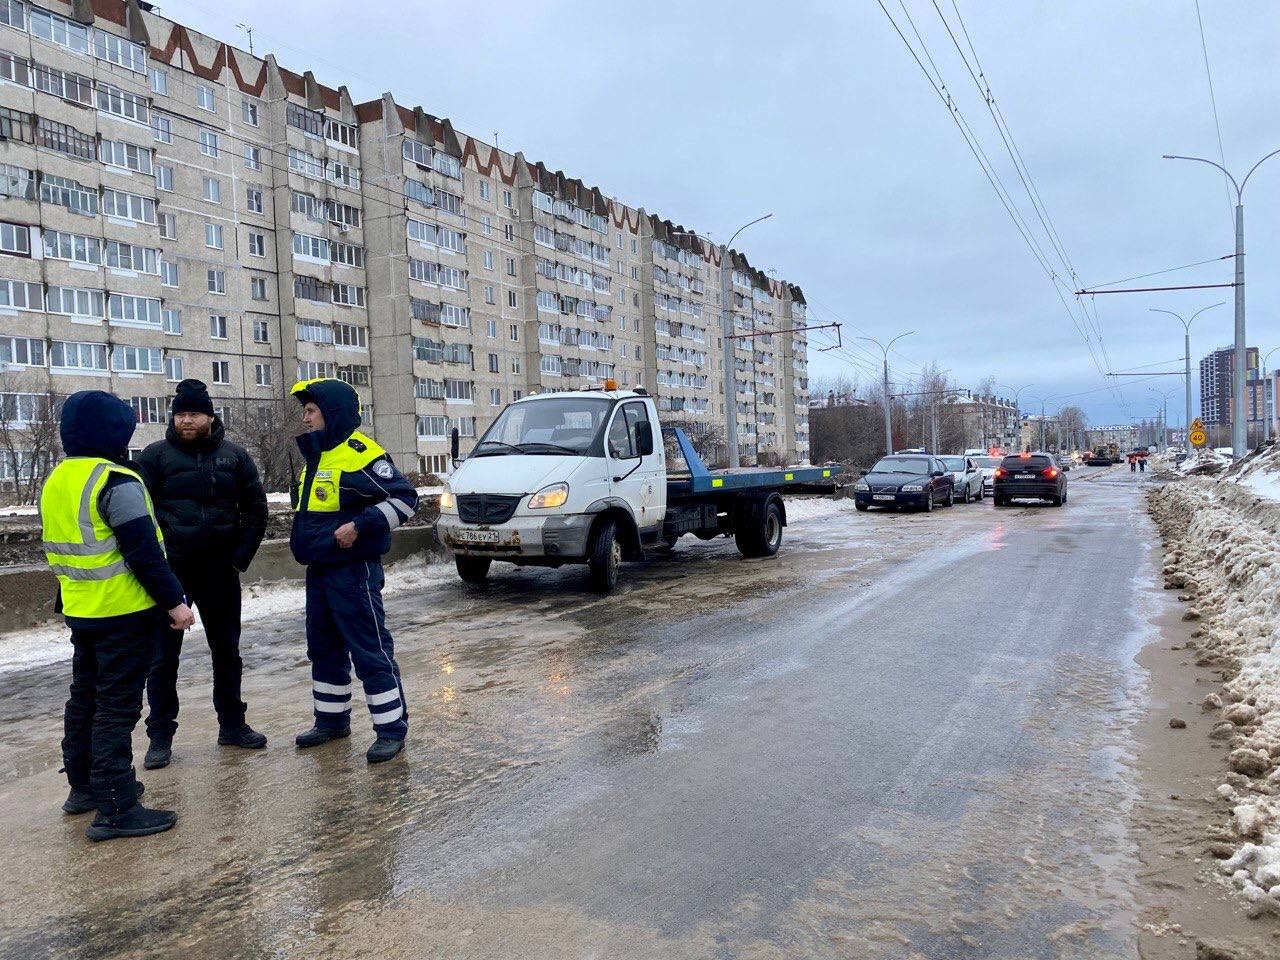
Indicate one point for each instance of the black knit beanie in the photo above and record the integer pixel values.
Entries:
(192, 396)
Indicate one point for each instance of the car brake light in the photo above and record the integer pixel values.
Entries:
(1051, 472)
(999, 472)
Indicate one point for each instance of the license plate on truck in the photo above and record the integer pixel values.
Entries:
(476, 536)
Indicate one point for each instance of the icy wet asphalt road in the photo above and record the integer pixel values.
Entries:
(904, 737)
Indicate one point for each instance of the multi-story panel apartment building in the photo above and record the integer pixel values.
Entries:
(175, 207)
(1216, 390)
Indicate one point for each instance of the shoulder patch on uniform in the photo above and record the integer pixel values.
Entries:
(357, 445)
(383, 469)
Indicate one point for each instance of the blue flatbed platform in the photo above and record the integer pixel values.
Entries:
(701, 480)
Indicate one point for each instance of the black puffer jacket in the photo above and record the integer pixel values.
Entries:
(208, 498)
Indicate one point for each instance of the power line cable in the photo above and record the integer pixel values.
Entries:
(1213, 103)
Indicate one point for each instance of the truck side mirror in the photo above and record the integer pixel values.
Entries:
(644, 438)
(453, 444)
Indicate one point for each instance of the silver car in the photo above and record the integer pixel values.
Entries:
(967, 477)
(988, 467)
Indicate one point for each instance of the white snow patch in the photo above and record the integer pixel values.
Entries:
(23, 649)
(813, 508)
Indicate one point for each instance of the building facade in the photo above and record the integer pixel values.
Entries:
(1216, 373)
(990, 422)
(175, 207)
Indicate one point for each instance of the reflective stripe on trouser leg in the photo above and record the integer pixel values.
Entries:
(330, 664)
(385, 708)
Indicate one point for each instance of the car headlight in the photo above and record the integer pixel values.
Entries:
(913, 488)
(556, 495)
(447, 500)
(862, 485)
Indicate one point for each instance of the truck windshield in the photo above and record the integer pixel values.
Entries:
(550, 425)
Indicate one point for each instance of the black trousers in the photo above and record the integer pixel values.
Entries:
(214, 590)
(108, 672)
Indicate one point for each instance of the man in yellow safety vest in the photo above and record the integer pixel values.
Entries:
(114, 586)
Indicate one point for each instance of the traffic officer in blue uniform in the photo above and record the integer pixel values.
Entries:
(115, 586)
(348, 500)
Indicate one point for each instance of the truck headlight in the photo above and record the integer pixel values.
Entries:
(548, 498)
(862, 485)
(913, 488)
(448, 502)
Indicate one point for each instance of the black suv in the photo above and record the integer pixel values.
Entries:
(1034, 476)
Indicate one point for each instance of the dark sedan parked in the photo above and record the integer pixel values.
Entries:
(905, 480)
(1034, 476)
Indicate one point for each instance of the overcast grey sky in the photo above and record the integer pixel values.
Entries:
(712, 113)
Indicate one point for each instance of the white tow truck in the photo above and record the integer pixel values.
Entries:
(583, 477)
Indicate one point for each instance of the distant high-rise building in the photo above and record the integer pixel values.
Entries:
(1216, 373)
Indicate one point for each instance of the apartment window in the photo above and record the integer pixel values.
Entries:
(515, 368)
(347, 254)
(217, 281)
(348, 294)
(59, 30)
(249, 112)
(213, 236)
(342, 133)
(115, 101)
(168, 273)
(511, 268)
(128, 206)
(486, 225)
(161, 128)
(253, 199)
(310, 288)
(205, 99)
(173, 369)
(316, 248)
(488, 295)
(137, 360)
(15, 239)
(209, 144)
(488, 259)
(308, 121)
(516, 394)
(511, 299)
(221, 371)
(349, 335)
(117, 50)
(131, 256)
(493, 363)
(483, 187)
(133, 311)
(22, 351)
(164, 177)
(159, 81)
(76, 302)
(258, 288)
(72, 246)
(129, 156)
(213, 189)
(253, 158)
(507, 199)
(171, 321)
(262, 374)
(509, 232)
(313, 331)
(515, 333)
(491, 329)
(168, 226)
(261, 331)
(18, 182)
(78, 355)
(495, 396)
(304, 163)
(257, 244)
(218, 327)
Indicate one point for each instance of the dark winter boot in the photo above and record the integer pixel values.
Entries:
(158, 754)
(81, 800)
(137, 821)
(242, 735)
(383, 749)
(318, 735)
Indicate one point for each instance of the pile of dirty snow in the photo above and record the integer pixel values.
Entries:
(1258, 472)
(1204, 462)
(1223, 551)
(800, 509)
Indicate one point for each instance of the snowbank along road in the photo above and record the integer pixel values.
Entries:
(906, 736)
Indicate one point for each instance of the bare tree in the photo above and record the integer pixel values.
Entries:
(267, 431)
(29, 437)
(708, 440)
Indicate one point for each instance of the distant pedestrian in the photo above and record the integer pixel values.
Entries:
(1142, 464)
(1133, 464)
(213, 512)
(349, 498)
(102, 541)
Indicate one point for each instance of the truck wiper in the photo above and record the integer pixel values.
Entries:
(554, 446)
(494, 453)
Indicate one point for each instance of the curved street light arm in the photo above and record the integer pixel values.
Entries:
(744, 226)
(1255, 167)
(1225, 171)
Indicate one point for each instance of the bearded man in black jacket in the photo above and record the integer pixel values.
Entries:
(213, 512)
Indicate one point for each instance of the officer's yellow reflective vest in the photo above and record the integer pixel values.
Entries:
(81, 548)
(351, 456)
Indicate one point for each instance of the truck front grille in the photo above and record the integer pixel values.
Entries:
(486, 507)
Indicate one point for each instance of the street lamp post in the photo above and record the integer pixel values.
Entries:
(1186, 329)
(1163, 440)
(888, 400)
(1239, 426)
(1017, 413)
(1266, 414)
(726, 325)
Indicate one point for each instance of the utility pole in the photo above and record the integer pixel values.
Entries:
(888, 400)
(1186, 327)
(1162, 443)
(1239, 425)
(1017, 413)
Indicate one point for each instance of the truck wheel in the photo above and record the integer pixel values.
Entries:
(605, 557)
(763, 539)
(472, 569)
